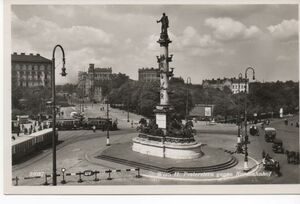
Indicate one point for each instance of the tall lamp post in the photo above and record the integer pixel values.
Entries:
(188, 81)
(107, 118)
(128, 110)
(54, 139)
(240, 77)
(246, 168)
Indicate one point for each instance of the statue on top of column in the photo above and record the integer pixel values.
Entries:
(164, 24)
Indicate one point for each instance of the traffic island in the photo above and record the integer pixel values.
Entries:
(212, 159)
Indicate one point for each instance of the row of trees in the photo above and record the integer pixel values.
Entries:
(262, 98)
(32, 100)
(142, 97)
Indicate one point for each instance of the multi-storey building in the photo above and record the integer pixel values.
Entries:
(149, 74)
(88, 82)
(30, 70)
(239, 85)
(234, 84)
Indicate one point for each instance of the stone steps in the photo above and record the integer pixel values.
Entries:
(229, 164)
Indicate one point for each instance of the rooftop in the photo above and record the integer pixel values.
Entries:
(22, 57)
(148, 69)
(220, 81)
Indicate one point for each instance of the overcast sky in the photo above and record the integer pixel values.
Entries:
(208, 41)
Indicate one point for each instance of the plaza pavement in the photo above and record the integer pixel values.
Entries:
(79, 147)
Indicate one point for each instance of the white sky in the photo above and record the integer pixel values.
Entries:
(208, 41)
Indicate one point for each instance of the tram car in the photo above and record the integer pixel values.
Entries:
(28, 144)
(68, 124)
(99, 123)
(270, 134)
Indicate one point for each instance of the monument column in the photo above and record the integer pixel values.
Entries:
(163, 60)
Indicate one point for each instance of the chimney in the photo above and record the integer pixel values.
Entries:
(91, 66)
(37, 54)
(31, 54)
(15, 53)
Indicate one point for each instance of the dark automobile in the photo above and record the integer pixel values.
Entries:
(254, 131)
(277, 146)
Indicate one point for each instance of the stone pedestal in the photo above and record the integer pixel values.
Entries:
(174, 148)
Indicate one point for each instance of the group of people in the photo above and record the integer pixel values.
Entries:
(33, 127)
(270, 164)
(286, 122)
(292, 157)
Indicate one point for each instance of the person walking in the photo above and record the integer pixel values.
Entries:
(94, 128)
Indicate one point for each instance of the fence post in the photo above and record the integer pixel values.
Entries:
(46, 180)
(109, 178)
(80, 180)
(63, 181)
(96, 178)
(17, 181)
(138, 173)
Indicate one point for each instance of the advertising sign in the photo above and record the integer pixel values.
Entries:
(161, 120)
(207, 111)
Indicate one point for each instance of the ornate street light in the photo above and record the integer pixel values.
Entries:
(246, 168)
(54, 139)
(188, 81)
(240, 77)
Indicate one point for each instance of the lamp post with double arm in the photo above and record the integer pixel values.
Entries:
(246, 167)
(54, 138)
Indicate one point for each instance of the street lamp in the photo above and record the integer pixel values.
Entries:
(188, 81)
(107, 118)
(63, 73)
(128, 110)
(240, 77)
(246, 168)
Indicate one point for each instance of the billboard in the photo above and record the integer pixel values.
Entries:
(207, 112)
(161, 120)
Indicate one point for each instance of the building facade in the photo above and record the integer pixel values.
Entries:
(234, 84)
(30, 70)
(88, 82)
(148, 74)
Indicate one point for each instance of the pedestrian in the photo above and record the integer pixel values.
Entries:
(18, 130)
(94, 128)
(263, 154)
(277, 169)
(132, 124)
(297, 158)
